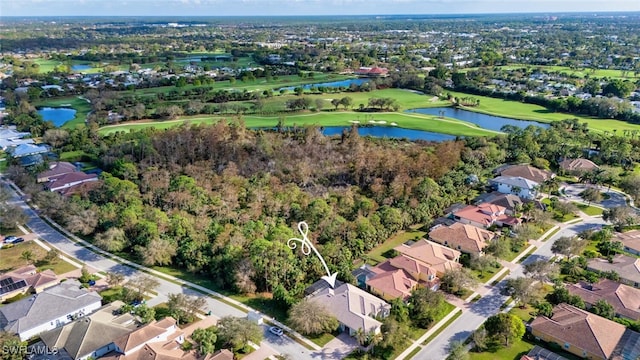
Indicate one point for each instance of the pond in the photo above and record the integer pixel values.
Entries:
(390, 132)
(484, 121)
(80, 67)
(58, 116)
(332, 84)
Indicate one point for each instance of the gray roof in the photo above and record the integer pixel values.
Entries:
(8, 133)
(353, 306)
(52, 303)
(626, 266)
(90, 333)
(520, 182)
(28, 149)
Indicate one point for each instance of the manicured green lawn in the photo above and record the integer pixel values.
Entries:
(81, 106)
(522, 111)
(595, 73)
(590, 210)
(340, 118)
(523, 313)
(321, 340)
(514, 352)
(378, 253)
(10, 258)
(486, 275)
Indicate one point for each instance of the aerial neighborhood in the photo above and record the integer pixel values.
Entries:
(419, 186)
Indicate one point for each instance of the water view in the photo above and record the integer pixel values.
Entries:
(332, 84)
(58, 116)
(484, 121)
(390, 132)
(80, 67)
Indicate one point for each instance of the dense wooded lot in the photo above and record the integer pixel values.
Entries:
(223, 200)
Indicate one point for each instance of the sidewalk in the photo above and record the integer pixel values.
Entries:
(307, 343)
(423, 338)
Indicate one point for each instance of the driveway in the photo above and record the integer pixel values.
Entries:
(572, 192)
(338, 348)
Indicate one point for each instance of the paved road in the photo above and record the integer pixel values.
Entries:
(283, 345)
(616, 198)
(490, 304)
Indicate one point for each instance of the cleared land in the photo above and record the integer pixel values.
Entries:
(11, 259)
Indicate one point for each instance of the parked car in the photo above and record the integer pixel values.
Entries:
(18, 240)
(9, 239)
(276, 331)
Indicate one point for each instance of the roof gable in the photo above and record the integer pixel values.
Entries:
(582, 329)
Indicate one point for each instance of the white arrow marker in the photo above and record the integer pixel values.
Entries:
(307, 246)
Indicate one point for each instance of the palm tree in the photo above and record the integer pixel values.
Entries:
(27, 256)
(361, 337)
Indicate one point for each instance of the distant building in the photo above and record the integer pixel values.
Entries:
(23, 150)
(68, 181)
(372, 72)
(485, 215)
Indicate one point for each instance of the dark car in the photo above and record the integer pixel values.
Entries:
(18, 240)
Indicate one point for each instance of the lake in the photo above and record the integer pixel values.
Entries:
(58, 116)
(332, 84)
(483, 120)
(390, 132)
(80, 67)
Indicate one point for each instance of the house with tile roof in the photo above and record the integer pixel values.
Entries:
(391, 283)
(526, 171)
(577, 166)
(630, 241)
(26, 279)
(624, 299)
(436, 256)
(155, 331)
(63, 183)
(485, 215)
(462, 237)
(56, 169)
(540, 353)
(626, 266)
(353, 307)
(23, 150)
(522, 187)
(586, 335)
(92, 335)
(54, 307)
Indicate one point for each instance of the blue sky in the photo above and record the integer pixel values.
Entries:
(299, 7)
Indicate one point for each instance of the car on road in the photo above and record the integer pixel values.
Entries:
(276, 331)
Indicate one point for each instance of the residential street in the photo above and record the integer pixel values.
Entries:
(490, 303)
(283, 345)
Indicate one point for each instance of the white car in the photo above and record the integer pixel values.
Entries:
(276, 331)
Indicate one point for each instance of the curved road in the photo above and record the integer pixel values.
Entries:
(283, 345)
(489, 304)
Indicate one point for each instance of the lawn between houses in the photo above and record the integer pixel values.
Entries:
(10, 259)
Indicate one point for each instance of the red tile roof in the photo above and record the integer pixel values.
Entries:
(466, 238)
